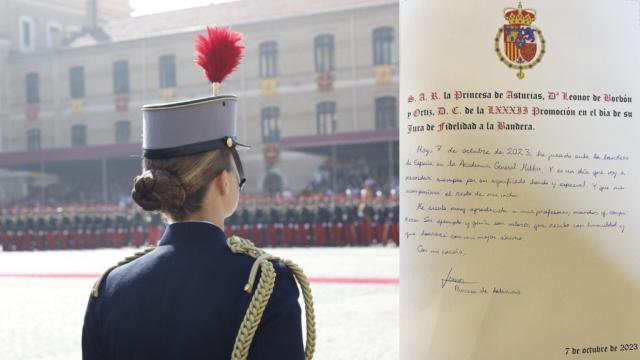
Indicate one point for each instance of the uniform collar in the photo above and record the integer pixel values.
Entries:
(192, 231)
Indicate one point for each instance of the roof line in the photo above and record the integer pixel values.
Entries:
(197, 28)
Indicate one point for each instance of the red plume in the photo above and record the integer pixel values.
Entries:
(220, 53)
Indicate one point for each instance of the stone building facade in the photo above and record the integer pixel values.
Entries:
(317, 77)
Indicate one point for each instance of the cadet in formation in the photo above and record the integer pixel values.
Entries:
(58, 229)
(318, 221)
(198, 294)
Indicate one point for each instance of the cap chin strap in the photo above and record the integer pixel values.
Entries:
(236, 158)
(228, 142)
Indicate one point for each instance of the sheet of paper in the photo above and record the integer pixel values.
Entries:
(520, 179)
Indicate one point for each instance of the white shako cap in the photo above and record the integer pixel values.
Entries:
(189, 127)
(203, 124)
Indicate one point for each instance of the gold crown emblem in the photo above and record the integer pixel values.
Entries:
(519, 16)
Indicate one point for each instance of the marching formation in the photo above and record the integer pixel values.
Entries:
(317, 221)
(304, 221)
(77, 228)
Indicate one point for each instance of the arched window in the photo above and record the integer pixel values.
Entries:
(27, 33)
(167, 68)
(78, 135)
(121, 77)
(268, 59)
(323, 46)
(270, 125)
(386, 112)
(123, 132)
(33, 139)
(383, 45)
(326, 117)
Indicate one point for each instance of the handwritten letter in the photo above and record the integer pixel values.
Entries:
(520, 180)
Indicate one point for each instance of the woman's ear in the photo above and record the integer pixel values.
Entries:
(222, 182)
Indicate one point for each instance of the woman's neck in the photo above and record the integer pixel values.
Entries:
(215, 219)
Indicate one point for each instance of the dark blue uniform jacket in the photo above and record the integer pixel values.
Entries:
(185, 300)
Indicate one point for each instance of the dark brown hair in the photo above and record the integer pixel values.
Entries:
(176, 186)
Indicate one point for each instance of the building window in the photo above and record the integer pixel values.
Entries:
(383, 46)
(167, 66)
(386, 113)
(33, 88)
(121, 77)
(324, 53)
(33, 139)
(326, 117)
(269, 59)
(78, 135)
(76, 82)
(270, 125)
(26, 33)
(54, 35)
(123, 132)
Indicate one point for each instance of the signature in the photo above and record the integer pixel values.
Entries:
(451, 279)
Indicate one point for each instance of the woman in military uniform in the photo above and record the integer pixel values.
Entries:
(198, 294)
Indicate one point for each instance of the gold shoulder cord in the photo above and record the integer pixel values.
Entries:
(263, 292)
(128, 259)
(260, 298)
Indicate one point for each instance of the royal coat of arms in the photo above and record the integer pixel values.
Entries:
(520, 44)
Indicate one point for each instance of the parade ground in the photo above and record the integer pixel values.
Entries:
(43, 295)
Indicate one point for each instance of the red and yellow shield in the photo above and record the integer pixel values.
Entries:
(520, 43)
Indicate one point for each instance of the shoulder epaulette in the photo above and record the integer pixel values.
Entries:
(128, 259)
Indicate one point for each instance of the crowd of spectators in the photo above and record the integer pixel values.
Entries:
(352, 177)
(355, 176)
(77, 192)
